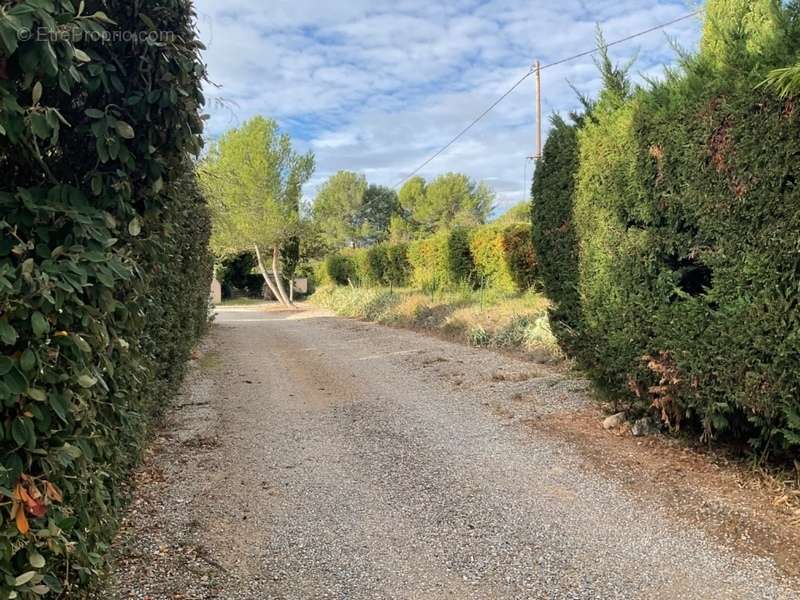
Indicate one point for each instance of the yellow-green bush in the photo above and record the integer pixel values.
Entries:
(335, 269)
(359, 259)
(442, 260)
(503, 256)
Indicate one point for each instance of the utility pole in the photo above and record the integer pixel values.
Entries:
(538, 110)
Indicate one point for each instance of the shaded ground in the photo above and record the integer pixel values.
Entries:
(315, 457)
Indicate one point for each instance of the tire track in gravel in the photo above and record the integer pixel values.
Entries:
(353, 461)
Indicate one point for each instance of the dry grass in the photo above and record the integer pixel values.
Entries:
(478, 318)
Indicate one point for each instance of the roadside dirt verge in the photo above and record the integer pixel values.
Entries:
(735, 505)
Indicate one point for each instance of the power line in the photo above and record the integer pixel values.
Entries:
(530, 72)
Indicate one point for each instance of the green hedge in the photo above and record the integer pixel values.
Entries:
(381, 264)
(335, 269)
(503, 256)
(554, 235)
(104, 271)
(686, 220)
(388, 264)
(442, 260)
(358, 259)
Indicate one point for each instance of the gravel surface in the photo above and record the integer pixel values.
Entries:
(316, 457)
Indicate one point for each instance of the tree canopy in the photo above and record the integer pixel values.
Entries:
(337, 208)
(253, 179)
(449, 200)
(351, 213)
(379, 205)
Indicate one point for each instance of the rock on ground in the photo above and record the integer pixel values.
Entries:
(316, 457)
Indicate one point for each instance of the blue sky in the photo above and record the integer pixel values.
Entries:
(378, 86)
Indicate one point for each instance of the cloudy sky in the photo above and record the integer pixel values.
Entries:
(377, 86)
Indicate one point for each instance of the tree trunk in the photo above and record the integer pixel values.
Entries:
(264, 274)
(278, 279)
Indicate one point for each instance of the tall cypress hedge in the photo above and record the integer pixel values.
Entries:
(553, 229)
(104, 269)
(687, 222)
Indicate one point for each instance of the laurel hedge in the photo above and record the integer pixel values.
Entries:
(504, 258)
(104, 269)
(673, 220)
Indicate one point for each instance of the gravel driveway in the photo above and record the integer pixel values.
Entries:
(315, 457)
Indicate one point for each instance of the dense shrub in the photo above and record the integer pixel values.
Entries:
(104, 271)
(503, 256)
(387, 264)
(360, 263)
(236, 275)
(687, 221)
(554, 234)
(376, 264)
(396, 268)
(336, 269)
(442, 260)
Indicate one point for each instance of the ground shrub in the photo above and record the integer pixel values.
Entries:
(371, 304)
(503, 256)
(494, 320)
(104, 270)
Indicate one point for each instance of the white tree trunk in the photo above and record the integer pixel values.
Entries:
(264, 274)
(278, 279)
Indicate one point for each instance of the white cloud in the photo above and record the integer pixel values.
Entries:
(377, 86)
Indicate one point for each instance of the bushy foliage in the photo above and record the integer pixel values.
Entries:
(554, 233)
(442, 260)
(449, 201)
(686, 223)
(104, 270)
(519, 213)
(386, 264)
(336, 269)
(360, 261)
(396, 268)
(236, 274)
(503, 256)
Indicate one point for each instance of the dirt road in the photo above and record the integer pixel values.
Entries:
(314, 457)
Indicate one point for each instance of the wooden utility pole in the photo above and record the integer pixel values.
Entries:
(538, 110)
